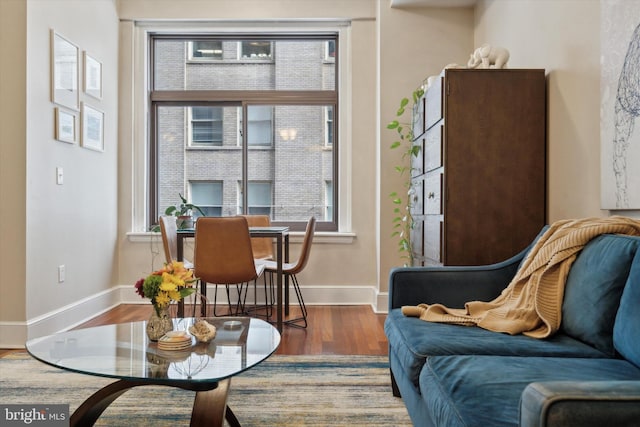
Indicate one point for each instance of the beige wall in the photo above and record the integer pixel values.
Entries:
(342, 272)
(86, 223)
(414, 44)
(13, 152)
(72, 224)
(564, 38)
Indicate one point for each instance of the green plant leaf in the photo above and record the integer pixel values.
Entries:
(394, 124)
(396, 144)
(404, 102)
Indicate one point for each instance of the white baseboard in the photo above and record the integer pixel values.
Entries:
(15, 334)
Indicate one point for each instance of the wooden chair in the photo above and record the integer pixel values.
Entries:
(292, 269)
(223, 256)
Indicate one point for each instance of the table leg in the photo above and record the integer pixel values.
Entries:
(279, 284)
(209, 407)
(180, 257)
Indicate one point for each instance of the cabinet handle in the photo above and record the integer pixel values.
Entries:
(431, 195)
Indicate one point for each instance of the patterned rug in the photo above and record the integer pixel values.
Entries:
(282, 391)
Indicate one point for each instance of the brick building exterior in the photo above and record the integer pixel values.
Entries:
(290, 153)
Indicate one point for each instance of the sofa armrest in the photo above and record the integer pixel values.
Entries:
(451, 286)
(580, 404)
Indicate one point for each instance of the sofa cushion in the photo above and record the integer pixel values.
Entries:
(593, 289)
(626, 335)
(486, 390)
(413, 340)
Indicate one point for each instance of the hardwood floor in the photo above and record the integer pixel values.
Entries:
(332, 329)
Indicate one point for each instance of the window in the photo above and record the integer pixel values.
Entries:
(205, 50)
(255, 49)
(278, 159)
(206, 125)
(259, 198)
(328, 197)
(208, 196)
(260, 125)
(330, 50)
(328, 133)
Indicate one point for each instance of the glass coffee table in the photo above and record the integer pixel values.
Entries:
(123, 352)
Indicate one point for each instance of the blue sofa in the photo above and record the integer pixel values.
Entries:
(586, 374)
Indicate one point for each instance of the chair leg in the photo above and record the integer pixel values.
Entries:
(299, 322)
(303, 307)
(268, 305)
(215, 302)
(203, 299)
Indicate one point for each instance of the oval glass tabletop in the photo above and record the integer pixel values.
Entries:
(123, 351)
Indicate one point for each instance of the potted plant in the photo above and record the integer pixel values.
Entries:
(183, 213)
(403, 220)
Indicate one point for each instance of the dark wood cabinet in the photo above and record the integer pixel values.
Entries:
(480, 179)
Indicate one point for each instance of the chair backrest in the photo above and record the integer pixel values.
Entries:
(262, 246)
(222, 250)
(306, 247)
(169, 231)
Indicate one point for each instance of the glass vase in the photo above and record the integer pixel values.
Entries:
(159, 323)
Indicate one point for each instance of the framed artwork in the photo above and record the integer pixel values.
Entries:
(65, 129)
(92, 128)
(64, 71)
(620, 105)
(92, 76)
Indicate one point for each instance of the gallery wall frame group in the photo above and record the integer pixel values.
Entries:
(76, 91)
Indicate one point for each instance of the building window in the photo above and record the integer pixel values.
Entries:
(328, 133)
(328, 199)
(259, 198)
(278, 158)
(260, 125)
(206, 125)
(255, 49)
(205, 50)
(330, 50)
(208, 196)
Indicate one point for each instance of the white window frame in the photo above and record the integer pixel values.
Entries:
(137, 34)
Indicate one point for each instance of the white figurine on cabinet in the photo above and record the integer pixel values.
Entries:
(487, 56)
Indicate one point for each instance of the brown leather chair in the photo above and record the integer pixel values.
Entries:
(262, 251)
(262, 246)
(292, 269)
(169, 231)
(223, 256)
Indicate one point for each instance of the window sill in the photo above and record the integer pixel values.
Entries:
(321, 237)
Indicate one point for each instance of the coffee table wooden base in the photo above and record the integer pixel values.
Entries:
(209, 406)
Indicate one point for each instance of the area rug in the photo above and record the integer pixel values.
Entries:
(282, 391)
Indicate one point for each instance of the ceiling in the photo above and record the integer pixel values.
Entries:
(432, 3)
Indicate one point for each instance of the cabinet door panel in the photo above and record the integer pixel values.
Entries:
(433, 148)
(433, 193)
(417, 162)
(418, 118)
(417, 198)
(433, 239)
(433, 107)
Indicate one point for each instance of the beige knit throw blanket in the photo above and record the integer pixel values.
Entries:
(532, 303)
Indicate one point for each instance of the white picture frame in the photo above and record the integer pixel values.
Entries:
(92, 81)
(65, 69)
(619, 125)
(92, 127)
(65, 126)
